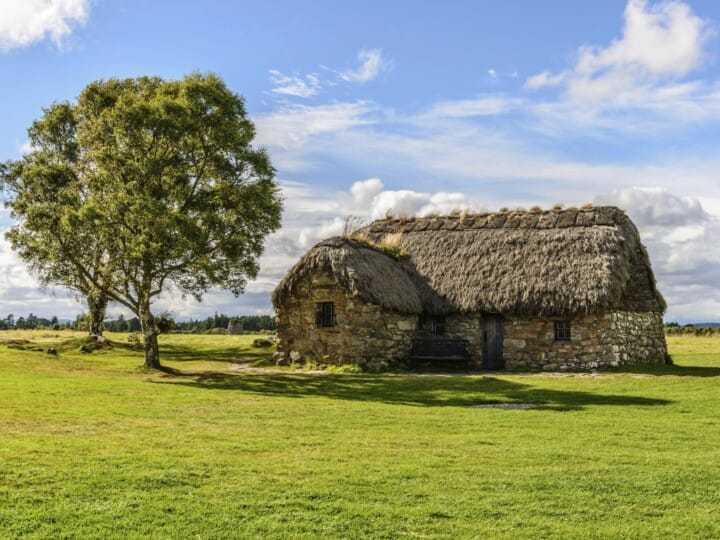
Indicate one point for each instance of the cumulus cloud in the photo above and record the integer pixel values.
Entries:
(25, 22)
(21, 295)
(660, 42)
(365, 191)
(294, 85)
(369, 199)
(681, 239)
(371, 64)
(655, 206)
(312, 216)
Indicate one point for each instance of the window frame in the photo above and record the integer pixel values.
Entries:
(563, 331)
(325, 314)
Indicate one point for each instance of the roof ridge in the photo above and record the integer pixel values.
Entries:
(511, 219)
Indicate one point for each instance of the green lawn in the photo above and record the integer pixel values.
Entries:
(94, 446)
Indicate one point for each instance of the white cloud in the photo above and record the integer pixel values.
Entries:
(365, 191)
(453, 146)
(488, 105)
(26, 148)
(371, 63)
(306, 86)
(544, 79)
(681, 239)
(660, 43)
(292, 125)
(414, 203)
(655, 206)
(313, 214)
(493, 74)
(293, 85)
(25, 22)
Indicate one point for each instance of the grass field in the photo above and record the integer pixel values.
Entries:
(94, 446)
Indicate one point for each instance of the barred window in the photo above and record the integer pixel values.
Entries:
(438, 326)
(324, 314)
(562, 330)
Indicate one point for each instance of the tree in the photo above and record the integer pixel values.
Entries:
(147, 183)
(46, 190)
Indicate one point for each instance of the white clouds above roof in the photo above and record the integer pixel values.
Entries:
(371, 64)
(295, 85)
(25, 22)
(660, 43)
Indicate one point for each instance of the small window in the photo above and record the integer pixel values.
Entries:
(562, 331)
(438, 326)
(324, 314)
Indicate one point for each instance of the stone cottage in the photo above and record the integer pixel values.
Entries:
(555, 289)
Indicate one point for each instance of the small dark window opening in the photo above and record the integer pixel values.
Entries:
(438, 326)
(324, 314)
(562, 331)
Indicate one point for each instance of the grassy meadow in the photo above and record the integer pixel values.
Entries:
(94, 446)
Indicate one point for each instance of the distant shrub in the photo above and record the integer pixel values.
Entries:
(673, 329)
(135, 340)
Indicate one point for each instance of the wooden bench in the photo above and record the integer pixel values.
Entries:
(439, 350)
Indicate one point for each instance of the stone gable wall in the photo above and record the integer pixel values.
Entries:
(597, 341)
(364, 333)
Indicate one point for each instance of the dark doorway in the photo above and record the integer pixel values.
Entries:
(492, 357)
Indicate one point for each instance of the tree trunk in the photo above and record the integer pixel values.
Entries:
(150, 340)
(97, 304)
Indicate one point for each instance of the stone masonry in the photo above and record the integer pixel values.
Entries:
(597, 341)
(367, 335)
(467, 326)
(364, 334)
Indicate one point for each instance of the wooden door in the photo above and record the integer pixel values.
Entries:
(492, 357)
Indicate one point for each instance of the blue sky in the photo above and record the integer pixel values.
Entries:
(415, 107)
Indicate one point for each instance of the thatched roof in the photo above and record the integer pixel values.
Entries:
(555, 262)
(362, 269)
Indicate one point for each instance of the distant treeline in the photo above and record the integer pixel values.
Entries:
(250, 323)
(217, 323)
(674, 329)
(213, 324)
(31, 322)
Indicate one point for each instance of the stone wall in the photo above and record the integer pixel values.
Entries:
(366, 334)
(635, 338)
(597, 341)
(363, 334)
(467, 326)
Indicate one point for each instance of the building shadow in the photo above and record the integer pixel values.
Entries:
(424, 391)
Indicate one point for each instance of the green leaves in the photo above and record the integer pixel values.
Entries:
(141, 182)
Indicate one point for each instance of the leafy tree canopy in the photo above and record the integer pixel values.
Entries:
(142, 183)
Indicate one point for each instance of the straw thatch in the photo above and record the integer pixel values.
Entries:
(559, 262)
(362, 269)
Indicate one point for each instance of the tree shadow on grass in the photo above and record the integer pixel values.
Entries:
(404, 390)
(235, 355)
